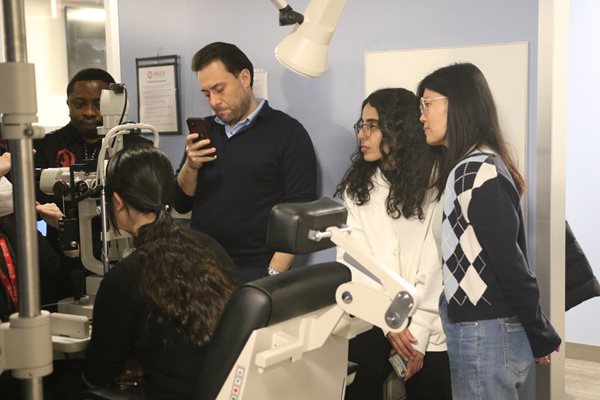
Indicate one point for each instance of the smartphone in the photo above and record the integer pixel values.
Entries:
(399, 365)
(198, 125)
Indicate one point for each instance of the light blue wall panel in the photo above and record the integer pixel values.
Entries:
(327, 106)
(330, 105)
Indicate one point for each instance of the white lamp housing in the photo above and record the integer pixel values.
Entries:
(304, 50)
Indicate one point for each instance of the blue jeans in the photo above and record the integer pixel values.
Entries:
(489, 359)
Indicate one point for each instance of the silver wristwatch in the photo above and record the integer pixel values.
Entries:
(272, 271)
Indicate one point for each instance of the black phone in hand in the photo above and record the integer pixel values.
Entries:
(198, 125)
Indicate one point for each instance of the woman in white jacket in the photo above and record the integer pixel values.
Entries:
(393, 211)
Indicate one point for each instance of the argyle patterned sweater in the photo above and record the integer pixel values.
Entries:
(484, 252)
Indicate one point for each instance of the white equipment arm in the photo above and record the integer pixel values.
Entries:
(388, 307)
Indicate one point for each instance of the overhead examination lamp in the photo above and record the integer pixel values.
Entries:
(305, 49)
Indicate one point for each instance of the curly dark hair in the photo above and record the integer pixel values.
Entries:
(187, 278)
(409, 163)
(187, 284)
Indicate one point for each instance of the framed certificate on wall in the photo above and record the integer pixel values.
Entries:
(158, 93)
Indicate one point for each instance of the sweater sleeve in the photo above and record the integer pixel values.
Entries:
(425, 324)
(299, 167)
(359, 235)
(424, 318)
(494, 214)
(352, 221)
(182, 202)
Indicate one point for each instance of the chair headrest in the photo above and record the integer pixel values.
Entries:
(289, 224)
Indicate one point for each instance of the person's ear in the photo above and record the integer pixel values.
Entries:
(119, 202)
(244, 77)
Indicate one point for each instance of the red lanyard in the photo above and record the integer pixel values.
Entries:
(11, 287)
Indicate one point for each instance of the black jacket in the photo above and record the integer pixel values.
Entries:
(580, 282)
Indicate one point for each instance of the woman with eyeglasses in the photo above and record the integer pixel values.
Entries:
(490, 308)
(391, 211)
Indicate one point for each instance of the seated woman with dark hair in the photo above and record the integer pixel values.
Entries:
(157, 308)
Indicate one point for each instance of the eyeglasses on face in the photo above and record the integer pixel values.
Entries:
(367, 128)
(426, 103)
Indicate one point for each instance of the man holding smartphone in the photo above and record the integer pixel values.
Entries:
(254, 158)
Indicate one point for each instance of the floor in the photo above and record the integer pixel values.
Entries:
(582, 379)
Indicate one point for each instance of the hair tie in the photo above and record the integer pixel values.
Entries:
(160, 207)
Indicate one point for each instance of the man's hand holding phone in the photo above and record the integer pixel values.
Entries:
(198, 147)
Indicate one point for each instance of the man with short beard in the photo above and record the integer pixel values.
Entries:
(255, 157)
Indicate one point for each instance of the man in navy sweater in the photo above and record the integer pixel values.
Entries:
(255, 157)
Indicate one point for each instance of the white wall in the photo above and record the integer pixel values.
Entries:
(583, 144)
(47, 49)
(327, 106)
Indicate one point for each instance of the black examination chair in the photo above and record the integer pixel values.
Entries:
(261, 304)
(286, 336)
(262, 347)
